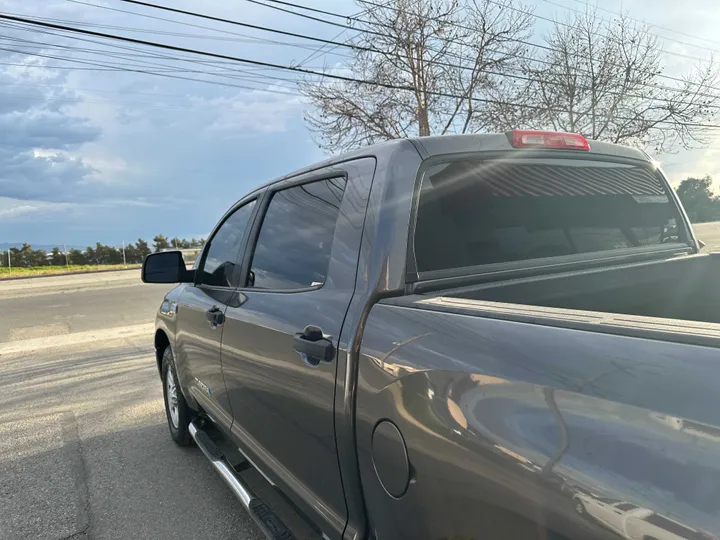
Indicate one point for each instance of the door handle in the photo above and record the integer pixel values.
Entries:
(313, 346)
(215, 317)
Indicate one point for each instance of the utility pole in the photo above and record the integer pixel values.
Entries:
(67, 255)
(9, 263)
(124, 259)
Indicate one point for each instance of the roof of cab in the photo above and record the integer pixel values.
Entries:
(452, 144)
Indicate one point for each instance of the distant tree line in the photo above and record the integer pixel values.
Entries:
(26, 256)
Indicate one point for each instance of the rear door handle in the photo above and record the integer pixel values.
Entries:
(215, 316)
(313, 346)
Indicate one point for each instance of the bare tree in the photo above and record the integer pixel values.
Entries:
(432, 64)
(603, 79)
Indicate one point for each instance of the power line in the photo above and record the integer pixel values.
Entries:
(334, 38)
(671, 53)
(310, 17)
(246, 36)
(598, 34)
(308, 71)
(506, 75)
(124, 56)
(531, 44)
(501, 74)
(247, 25)
(283, 32)
(148, 72)
(445, 64)
(140, 54)
(165, 72)
(247, 77)
(313, 38)
(249, 109)
(665, 28)
(316, 10)
(101, 90)
(228, 57)
(156, 55)
(315, 50)
(71, 68)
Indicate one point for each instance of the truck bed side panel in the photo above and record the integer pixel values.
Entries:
(528, 431)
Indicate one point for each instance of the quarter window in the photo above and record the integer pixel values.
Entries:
(295, 240)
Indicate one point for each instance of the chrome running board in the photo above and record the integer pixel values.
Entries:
(261, 513)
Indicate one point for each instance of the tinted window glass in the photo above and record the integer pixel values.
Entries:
(474, 212)
(625, 507)
(293, 249)
(224, 248)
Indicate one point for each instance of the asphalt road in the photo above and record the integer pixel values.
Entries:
(84, 447)
(63, 312)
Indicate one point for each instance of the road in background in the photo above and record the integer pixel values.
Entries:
(85, 452)
(46, 307)
(710, 234)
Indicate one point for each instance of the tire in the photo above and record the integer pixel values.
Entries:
(177, 411)
(580, 508)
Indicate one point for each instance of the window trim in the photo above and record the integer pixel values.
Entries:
(415, 278)
(267, 195)
(254, 197)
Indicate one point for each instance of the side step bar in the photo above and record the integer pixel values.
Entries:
(261, 513)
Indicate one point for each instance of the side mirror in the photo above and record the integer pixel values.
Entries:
(164, 267)
(701, 244)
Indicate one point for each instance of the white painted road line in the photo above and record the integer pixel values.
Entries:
(77, 338)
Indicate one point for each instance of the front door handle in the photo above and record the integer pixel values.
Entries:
(313, 346)
(215, 317)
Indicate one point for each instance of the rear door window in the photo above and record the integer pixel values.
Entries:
(296, 236)
(475, 212)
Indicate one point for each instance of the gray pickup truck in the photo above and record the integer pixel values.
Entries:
(508, 336)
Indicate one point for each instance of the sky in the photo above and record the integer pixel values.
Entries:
(111, 156)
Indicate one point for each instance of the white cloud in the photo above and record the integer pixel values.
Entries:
(249, 113)
(12, 209)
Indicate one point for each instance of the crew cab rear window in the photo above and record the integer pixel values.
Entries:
(296, 236)
(476, 212)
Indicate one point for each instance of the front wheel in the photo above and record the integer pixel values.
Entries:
(176, 409)
(580, 508)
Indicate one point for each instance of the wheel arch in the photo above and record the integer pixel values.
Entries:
(162, 341)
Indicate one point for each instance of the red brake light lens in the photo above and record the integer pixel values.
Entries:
(549, 139)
